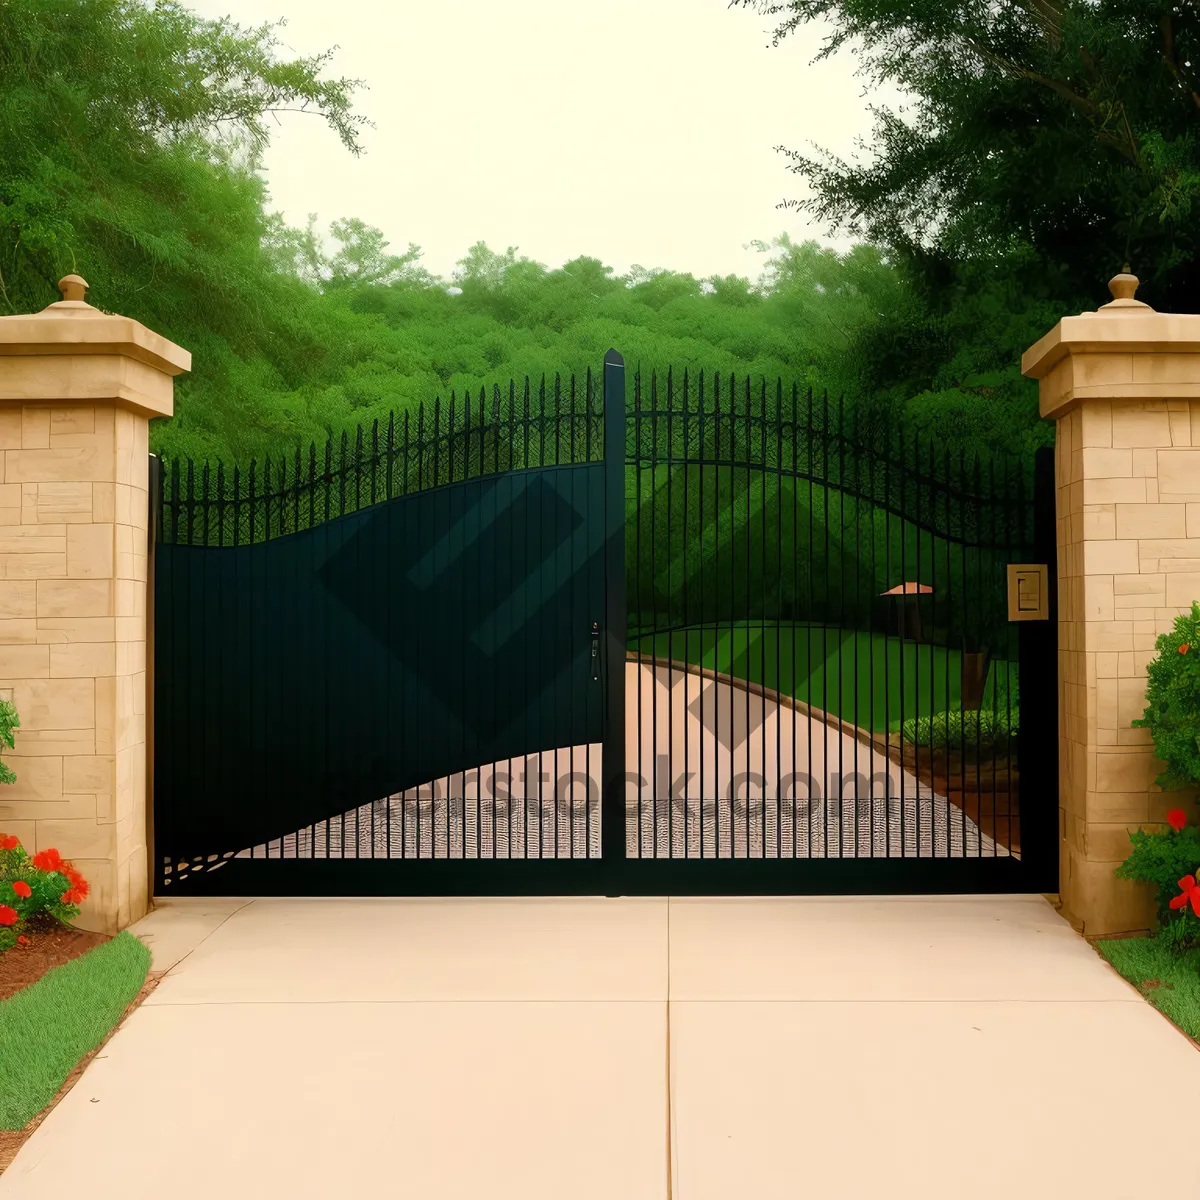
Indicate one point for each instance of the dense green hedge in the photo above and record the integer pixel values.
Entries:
(984, 732)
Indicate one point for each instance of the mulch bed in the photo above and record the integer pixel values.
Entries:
(51, 945)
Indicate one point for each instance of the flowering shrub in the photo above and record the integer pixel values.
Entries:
(1173, 702)
(1170, 860)
(33, 886)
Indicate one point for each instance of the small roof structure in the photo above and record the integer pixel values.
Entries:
(908, 589)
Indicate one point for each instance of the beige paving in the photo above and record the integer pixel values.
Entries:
(898, 948)
(927, 1101)
(312, 1101)
(175, 928)
(322, 951)
(931, 1047)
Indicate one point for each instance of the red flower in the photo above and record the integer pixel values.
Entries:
(22, 889)
(77, 881)
(1177, 819)
(1184, 648)
(8, 916)
(1188, 891)
(71, 896)
(9, 842)
(47, 860)
(22, 940)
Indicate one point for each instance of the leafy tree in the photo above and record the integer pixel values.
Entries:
(132, 140)
(121, 125)
(131, 136)
(1047, 142)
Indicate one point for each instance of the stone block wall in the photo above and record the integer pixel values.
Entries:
(1128, 483)
(73, 530)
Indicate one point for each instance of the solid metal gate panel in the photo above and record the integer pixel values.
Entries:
(390, 675)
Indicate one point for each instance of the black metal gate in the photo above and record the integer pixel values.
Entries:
(825, 684)
(386, 672)
(714, 641)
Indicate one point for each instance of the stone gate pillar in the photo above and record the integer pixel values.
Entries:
(1122, 385)
(78, 388)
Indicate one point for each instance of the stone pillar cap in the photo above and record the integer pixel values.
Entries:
(73, 326)
(1140, 330)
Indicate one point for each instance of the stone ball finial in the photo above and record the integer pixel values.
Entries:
(1124, 285)
(73, 287)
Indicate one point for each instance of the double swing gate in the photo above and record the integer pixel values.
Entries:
(705, 638)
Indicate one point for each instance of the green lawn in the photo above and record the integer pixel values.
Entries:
(872, 680)
(46, 1028)
(1171, 983)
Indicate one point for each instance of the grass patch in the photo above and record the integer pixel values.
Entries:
(46, 1028)
(1170, 982)
(869, 679)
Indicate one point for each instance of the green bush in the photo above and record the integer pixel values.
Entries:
(1163, 858)
(1173, 702)
(8, 722)
(984, 732)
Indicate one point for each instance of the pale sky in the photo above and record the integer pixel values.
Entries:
(636, 131)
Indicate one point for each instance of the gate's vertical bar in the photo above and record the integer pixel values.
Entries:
(748, 539)
(669, 598)
(887, 649)
(948, 617)
(903, 622)
(854, 494)
(587, 751)
(964, 506)
(1015, 522)
(723, 578)
(655, 753)
(685, 459)
(779, 610)
(639, 605)
(612, 819)
(873, 583)
(154, 851)
(762, 602)
(545, 738)
(808, 634)
(1037, 675)
(917, 641)
(701, 478)
(980, 606)
(796, 625)
(1003, 539)
(829, 498)
(841, 643)
(933, 613)
(840, 690)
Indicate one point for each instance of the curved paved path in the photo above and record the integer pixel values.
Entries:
(747, 774)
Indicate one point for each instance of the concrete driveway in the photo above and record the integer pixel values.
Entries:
(632, 1049)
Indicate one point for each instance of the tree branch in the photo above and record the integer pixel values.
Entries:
(1048, 16)
(1172, 59)
(1083, 103)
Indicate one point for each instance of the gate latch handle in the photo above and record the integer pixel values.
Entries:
(595, 649)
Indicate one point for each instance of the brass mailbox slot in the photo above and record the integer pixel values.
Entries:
(1028, 592)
